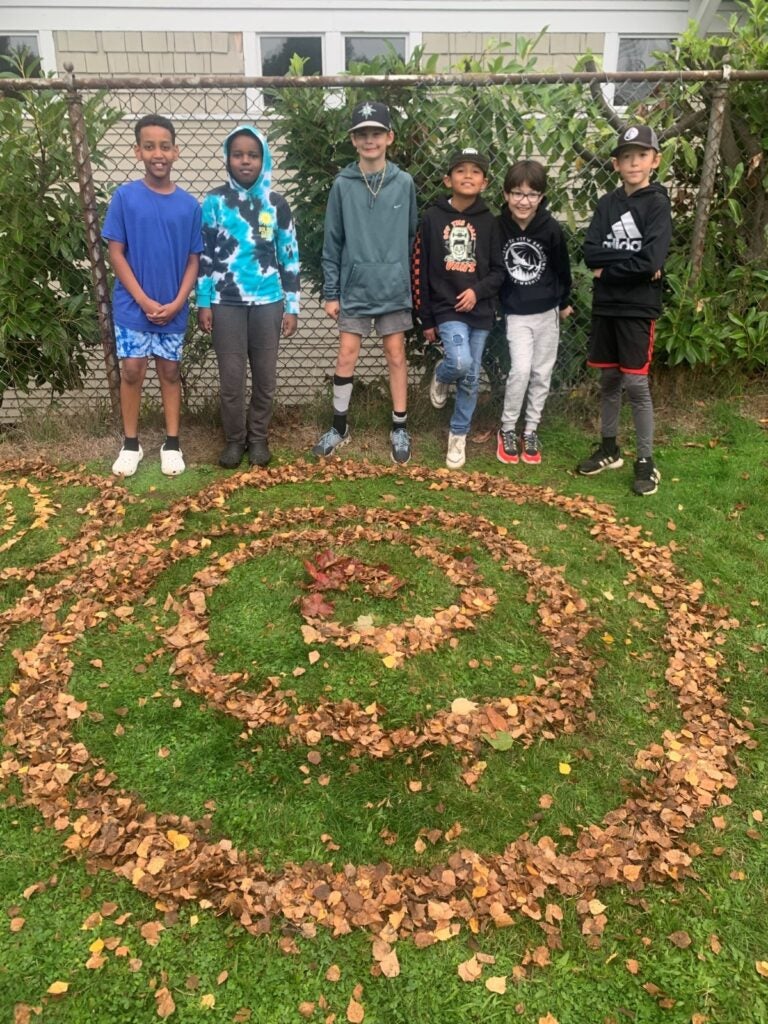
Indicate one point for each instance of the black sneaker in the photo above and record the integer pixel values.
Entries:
(599, 460)
(232, 455)
(647, 477)
(258, 452)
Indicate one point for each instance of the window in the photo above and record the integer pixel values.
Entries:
(358, 49)
(637, 54)
(277, 51)
(12, 47)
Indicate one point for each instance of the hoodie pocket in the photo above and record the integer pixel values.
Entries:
(375, 284)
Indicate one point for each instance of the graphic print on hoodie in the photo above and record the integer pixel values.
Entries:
(629, 238)
(538, 270)
(456, 250)
(250, 254)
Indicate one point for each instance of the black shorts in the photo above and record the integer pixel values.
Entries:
(622, 343)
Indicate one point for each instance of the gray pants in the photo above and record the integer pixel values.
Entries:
(612, 382)
(533, 342)
(247, 335)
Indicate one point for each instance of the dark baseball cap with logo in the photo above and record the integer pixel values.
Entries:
(370, 114)
(641, 135)
(468, 155)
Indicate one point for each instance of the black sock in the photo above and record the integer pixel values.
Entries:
(340, 422)
(171, 443)
(131, 444)
(399, 419)
(609, 445)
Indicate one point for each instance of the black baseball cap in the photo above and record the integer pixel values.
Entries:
(468, 156)
(370, 114)
(637, 135)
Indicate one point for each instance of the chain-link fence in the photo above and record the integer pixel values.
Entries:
(567, 121)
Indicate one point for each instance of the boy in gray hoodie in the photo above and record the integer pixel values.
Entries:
(370, 224)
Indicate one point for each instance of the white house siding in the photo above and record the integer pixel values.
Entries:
(114, 37)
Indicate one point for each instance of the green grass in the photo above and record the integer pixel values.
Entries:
(710, 507)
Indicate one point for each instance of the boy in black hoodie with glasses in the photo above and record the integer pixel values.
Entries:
(457, 273)
(625, 248)
(535, 298)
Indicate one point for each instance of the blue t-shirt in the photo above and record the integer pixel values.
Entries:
(159, 231)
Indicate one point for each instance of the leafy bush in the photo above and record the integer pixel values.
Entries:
(49, 317)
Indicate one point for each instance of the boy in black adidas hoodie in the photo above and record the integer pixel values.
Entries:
(457, 273)
(625, 247)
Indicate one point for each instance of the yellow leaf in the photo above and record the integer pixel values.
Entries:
(208, 1001)
(497, 984)
(462, 706)
(761, 966)
(96, 946)
(58, 988)
(564, 768)
(596, 907)
(390, 661)
(177, 839)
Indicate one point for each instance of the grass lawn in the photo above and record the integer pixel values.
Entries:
(363, 743)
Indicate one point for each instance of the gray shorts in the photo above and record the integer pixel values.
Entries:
(385, 323)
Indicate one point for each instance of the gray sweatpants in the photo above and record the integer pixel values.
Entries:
(612, 382)
(244, 335)
(533, 342)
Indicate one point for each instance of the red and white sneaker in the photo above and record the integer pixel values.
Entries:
(506, 447)
(531, 452)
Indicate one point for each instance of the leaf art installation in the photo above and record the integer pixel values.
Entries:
(175, 860)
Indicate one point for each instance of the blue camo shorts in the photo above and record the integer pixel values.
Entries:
(143, 344)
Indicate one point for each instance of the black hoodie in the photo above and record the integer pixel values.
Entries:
(455, 251)
(629, 238)
(538, 270)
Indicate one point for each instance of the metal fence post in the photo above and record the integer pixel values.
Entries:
(99, 275)
(708, 173)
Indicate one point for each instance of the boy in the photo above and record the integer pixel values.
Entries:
(625, 247)
(535, 298)
(457, 273)
(152, 229)
(370, 223)
(248, 291)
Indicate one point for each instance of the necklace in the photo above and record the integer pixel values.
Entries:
(374, 190)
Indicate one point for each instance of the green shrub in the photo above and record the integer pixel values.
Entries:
(49, 316)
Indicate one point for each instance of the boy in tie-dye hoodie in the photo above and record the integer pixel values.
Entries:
(248, 290)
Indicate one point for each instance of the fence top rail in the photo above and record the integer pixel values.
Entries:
(71, 82)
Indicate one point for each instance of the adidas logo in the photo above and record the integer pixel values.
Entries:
(624, 235)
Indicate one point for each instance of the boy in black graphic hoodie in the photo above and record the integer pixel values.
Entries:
(625, 247)
(457, 273)
(535, 298)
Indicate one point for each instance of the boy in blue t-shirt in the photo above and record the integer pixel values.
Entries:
(153, 231)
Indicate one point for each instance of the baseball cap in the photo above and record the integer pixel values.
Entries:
(637, 135)
(370, 114)
(468, 156)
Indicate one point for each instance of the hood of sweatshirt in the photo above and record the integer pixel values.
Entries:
(444, 203)
(262, 185)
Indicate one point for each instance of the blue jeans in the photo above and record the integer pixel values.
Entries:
(463, 355)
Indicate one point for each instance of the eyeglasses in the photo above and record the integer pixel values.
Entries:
(524, 197)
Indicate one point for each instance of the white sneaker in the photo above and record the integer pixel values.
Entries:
(457, 455)
(127, 462)
(171, 461)
(438, 392)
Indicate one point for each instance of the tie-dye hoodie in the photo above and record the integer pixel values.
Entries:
(250, 255)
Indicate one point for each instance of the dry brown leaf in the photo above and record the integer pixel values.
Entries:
(333, 973)
(680, 939)
(497, 983)
(470, 970)
(390, 965)
(632, 966)
(355, 1012)
(164, 1003)
(761, 966)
